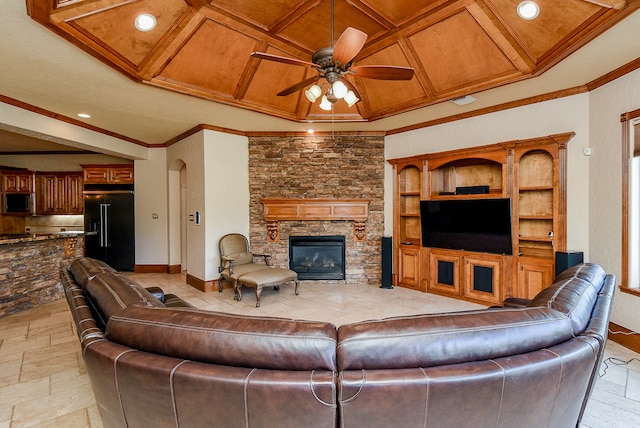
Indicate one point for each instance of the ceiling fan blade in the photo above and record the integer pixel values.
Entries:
(282, 59)
(348, 45)
(298, 86)
(383, 72)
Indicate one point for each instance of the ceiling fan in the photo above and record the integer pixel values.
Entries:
(334, 64)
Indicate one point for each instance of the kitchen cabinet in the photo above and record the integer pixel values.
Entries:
(17, 181)
(108, 174)
(59, 193)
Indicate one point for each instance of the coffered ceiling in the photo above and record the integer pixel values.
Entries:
(203, 48)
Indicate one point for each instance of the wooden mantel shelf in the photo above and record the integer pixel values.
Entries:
(276, 210)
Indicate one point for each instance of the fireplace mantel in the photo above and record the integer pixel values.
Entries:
(276, 210)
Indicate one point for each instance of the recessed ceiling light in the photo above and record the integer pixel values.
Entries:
(467, 99)
(145, 22)
(528, 10)
(310, 131)
(84, 115)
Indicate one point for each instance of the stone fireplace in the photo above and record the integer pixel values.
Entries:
(308, 168)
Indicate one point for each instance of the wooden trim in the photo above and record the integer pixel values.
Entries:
(493, 109)
(151, 269)
(318, 134)
(626, 143)
(625, 337)
(199, 284)
(174, 269)
(199, 128)
(629, 290)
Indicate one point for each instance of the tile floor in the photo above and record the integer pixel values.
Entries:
(43, 382)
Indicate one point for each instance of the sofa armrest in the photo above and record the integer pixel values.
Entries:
(515, 302)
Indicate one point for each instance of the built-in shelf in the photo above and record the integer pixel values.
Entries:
(532, 173)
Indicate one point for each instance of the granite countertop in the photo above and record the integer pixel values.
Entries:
(31, 237)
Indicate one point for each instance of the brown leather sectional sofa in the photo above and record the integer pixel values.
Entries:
(155, 361)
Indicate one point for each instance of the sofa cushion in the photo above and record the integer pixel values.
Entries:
(219, 338)
(84, 268)
(432, 340)
(574, 293)
(110, 293)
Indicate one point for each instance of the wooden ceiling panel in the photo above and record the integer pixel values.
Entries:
(256, 12)
(211, 59)
(203, 48)
(270, 78)
(312, 30)
(114, 27)
(557, 21)
(452, 62)
(384, 96)
(401, 11)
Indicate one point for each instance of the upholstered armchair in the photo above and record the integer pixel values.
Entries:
(236, 258)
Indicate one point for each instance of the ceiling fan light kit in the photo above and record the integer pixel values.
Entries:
(313, 93)
(332, 64)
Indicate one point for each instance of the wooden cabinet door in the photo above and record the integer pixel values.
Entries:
(483, 278)
(17, 182)
(73, 194)
(120, 175)
(444, 272)
(534, 275)
(95, 175)
(409, 267)
(46, 194)
(60, 197)
(59, 193)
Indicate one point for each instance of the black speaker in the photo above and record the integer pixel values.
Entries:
(387, 262)
(567, 259)
(472, 190)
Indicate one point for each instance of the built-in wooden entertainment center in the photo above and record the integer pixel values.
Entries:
(531, 173)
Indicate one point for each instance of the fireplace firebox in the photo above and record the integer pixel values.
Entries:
(317, 257)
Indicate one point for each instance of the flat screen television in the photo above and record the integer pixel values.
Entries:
(481, 225)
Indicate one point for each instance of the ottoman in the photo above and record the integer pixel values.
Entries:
(274, 276)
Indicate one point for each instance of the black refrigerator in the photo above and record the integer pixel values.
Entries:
(109, 227)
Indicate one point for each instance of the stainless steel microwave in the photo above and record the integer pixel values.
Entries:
(17, 203)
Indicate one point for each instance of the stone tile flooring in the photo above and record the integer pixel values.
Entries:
(43, 382)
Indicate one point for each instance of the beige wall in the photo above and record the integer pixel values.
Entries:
(605, 209)
(151, 198)
(217, 186)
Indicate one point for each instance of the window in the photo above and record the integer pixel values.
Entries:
(631, 202)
